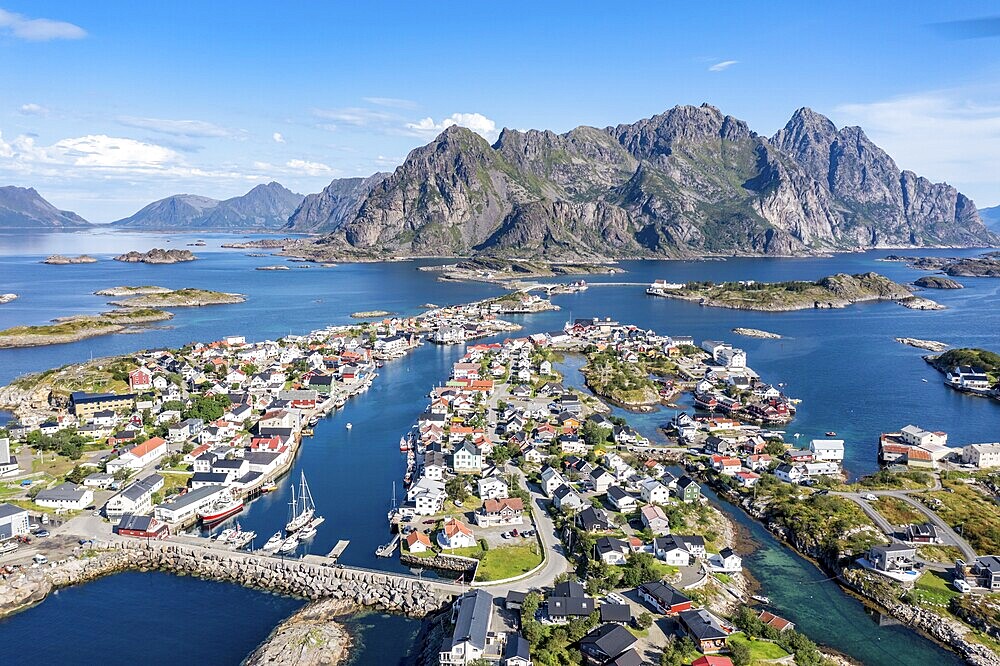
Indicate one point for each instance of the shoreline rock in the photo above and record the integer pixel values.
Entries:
(368, 314)
(132, 291)
(313, 636)
(937, 282)
(930, 345)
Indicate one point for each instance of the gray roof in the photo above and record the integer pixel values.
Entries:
(66, 492)
(609, 639)
(260, 457)
(192, 497)
(7, 510)
(516, 646)
(615, 613)
(702, 625)
(209, 477)
(473, 621)
(665, 595)
(140, 488)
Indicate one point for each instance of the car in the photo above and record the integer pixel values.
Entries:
(513, 532)
(961, 585)
(459, 503)
(33, 526)
(504, 535)
(41, 534)
(869, 497)
(40, 559)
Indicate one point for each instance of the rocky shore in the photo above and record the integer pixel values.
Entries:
(368, 314)
(313, 636)
(275, 267)
(156, 256)
(937, 282)
(930, 345)
(132, 291)
(180, 298)
(61, 260)
(80, 327)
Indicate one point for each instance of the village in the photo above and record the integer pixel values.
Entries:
(572, 531)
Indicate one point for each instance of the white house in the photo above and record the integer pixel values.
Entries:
(653, 491)
(814, 469)
(139, 455)
(672, 551)
(566, 499)
(621, 500)
(654, 519)
(551, 480)
(67, 496)
(136, 498)
(492, 488)
(982, 455)
(472, 615)
(455, 534)
(725, 561)
(13, 521)
(612, 551)
(828, 450)
(789, 473)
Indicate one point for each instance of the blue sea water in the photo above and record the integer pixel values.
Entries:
(844, 364)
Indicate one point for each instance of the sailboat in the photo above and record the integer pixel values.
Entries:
(392, 509)
(301, 510)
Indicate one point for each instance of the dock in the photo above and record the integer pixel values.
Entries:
(339, 549)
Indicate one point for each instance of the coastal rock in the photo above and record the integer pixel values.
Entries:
(132, 291)
(157, 256)
(756, 333)
(310, 637)
(937, 282)
(919, 303)
(930, 345)
(61, 260)
(274, 267)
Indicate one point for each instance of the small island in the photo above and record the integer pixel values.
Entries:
(276, 267)
(368, 314)
(132, 291)
(156, 256)
(938, 282)
(80, 327)
(7, 298)
(756, 333)
(179, 298)
(984, 359)
(834, 291)
(986, 265)
(61, 260)
(491, 269)
(929, 345)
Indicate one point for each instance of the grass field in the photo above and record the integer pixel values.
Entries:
(760, 650)
(934, 589)
(897, 511)
(976, 514)
(502, 563)
(939, 553)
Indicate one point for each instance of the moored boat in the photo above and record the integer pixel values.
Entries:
(300, 509)
(221, 509)
(289, 545)
(273, 543)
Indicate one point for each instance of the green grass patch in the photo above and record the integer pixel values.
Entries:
(897, 511)
(970, 512)
(760, 650)
(502, 563)
(933, 589)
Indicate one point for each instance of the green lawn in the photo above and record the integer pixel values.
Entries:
(972, 513)
(502, 563)
(933, 588)
(760, 650)
(897, 511)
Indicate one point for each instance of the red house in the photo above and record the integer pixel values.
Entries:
(665, 599)
(140, 379)
(143, 527)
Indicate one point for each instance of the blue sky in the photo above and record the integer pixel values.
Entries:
(107, 106)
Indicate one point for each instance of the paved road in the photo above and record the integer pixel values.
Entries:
(949, 536)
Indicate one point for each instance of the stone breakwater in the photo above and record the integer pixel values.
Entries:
(301, 578)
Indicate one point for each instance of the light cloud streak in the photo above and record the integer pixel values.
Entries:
(722, 66)
(38, 29)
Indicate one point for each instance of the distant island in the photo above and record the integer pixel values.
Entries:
(80, 327)
(368, 314)
(493, 269)
(275, 267)
(937, 282)
(157, 256)
(929, 345)
(132, 291)
(834, 291)
(756, 333)
(987, 265)
(158, 297)
(60, 260)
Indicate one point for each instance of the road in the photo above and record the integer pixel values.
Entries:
(949, 536)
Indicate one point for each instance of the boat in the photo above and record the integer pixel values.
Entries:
(242, 539)
(221, 509)
(761, 598)
(273, 543)
(349, 425)
(269, 487)
(224, 536)
(404, 444)
(301, 508)
(831, 434)
(307, 532)
(388, 549)
(289, 545)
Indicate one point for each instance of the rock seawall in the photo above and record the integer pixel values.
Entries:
(299, 578)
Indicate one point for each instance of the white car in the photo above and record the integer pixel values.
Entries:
(961, 585)
(869, 497)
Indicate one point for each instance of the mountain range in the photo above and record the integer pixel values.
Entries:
(264, 207)
(991, 218)
(24, 208)
(687, 182)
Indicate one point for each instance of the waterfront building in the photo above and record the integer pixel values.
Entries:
(688, 489)
(471, 638)
(827, 450)
(455, 534)
(186, 507)
(968, 378)
(143, 527)
(14, 521)
(982, 456)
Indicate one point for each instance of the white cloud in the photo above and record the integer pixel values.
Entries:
(355, 116)
(34, 110)
(185, 128)
(720, 66)
(38, 30)
(309, 168)
(278, 137)
(99, 150)
(391, 102)
(476, 122)
(942, 135)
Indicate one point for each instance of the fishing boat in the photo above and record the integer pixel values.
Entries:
(349, 425)
(301, 508)
(404, 444)
(221, 509)
(831, 434)
(273, 543)
(761, 598)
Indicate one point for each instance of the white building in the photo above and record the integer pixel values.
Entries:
(827, 450)
(66, 497)
(653, 491)
(916, 436)
(13, 521)
(136, 499)
(492, 488)
(982, 455)
(189, 504)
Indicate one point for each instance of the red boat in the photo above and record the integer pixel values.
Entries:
(221, 509)
(404, 444)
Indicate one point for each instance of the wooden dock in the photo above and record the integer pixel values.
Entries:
(339, 549)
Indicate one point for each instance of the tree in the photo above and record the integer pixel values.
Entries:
(775, 447)
(501, 455)
(455, 489)
(645, 620)
(76, 475)
(739, 652)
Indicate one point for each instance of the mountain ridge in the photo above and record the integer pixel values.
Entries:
(265, 206)
(690, 181)
(25, 208)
